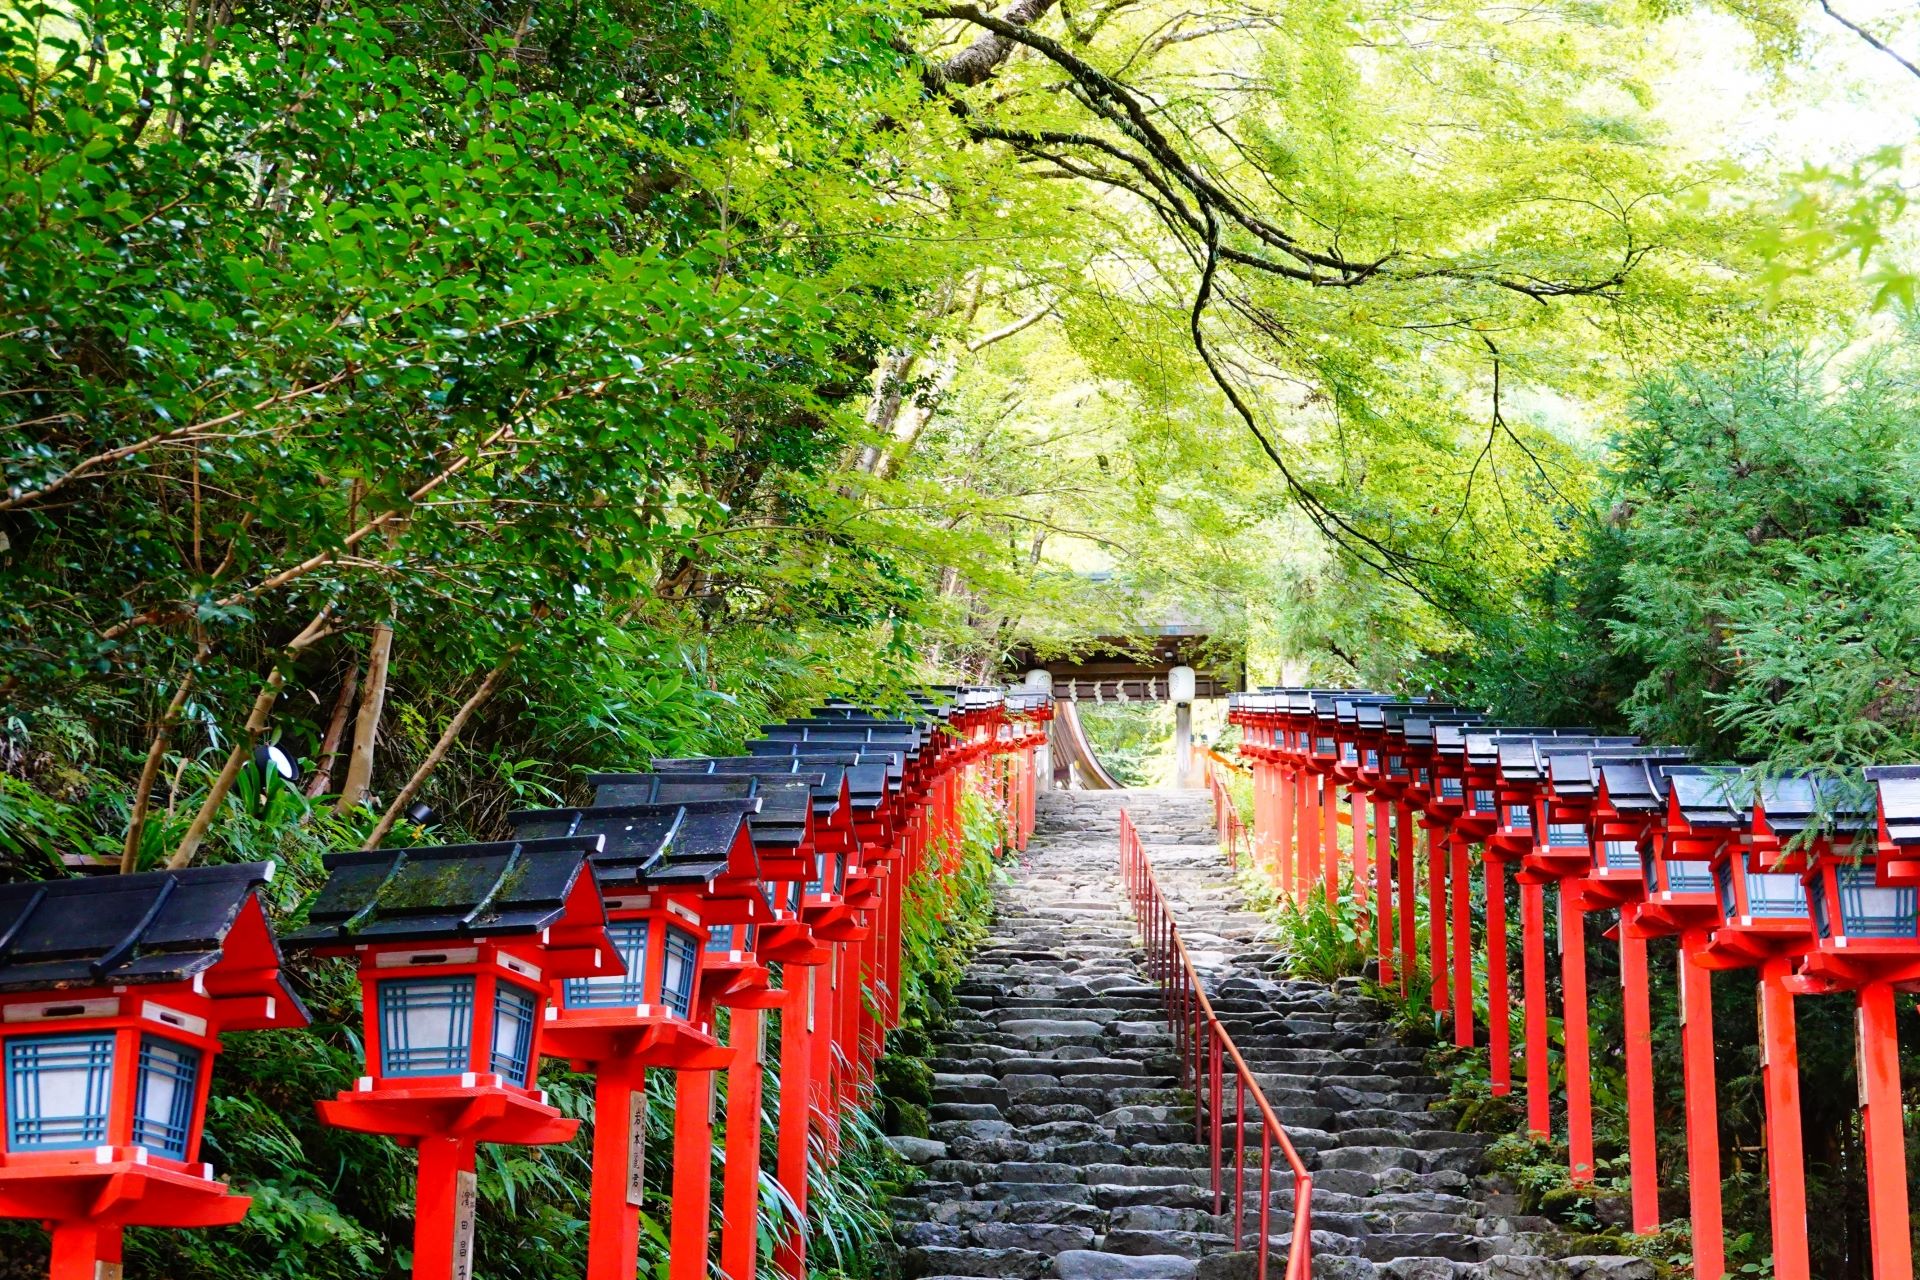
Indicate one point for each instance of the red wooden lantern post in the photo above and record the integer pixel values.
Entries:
(1348, 769)
(1370, 733)
(114, 993)
(1447, 862)
(787, 843)
(1283, 798)
(1572, 819)
(1681, 901)
(460, 949)
(1768, 926)
(1298, 753)
(1405, 775)
(1323, 759)
(1517, 779)
(669, 871)
(1391, 780)
(1866, 914)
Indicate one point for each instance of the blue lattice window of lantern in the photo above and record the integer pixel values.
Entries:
(1621, 855)
(169, 1086)
(1688, 877)
(58, 1088)
(514, 1010)
(1373, 759)
(426, 1026)
(719, 938)
(1396, 766)
(793, 895)
(1520, 817)
(1424, 779)
(1776, 895)
(1723, 886)
(1821, 924)
(676, 988)
(1450, 788)
(1349, 754)
(1483, 801)
(615, 990)
(840, 872)
(1870, 910)
(1323, 746)
(1566, 835)
(818, 884)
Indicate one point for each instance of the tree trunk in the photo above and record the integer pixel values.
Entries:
(448, 737)
(366, 730)
(243, 746)
(336, 728)
(156, 756)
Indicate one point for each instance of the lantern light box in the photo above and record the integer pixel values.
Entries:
(665, 871)
(114, 992)
(460, 949)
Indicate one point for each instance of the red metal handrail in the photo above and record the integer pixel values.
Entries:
(1205, 1050)
(1234, 836)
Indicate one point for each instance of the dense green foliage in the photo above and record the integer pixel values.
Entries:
(468, 397)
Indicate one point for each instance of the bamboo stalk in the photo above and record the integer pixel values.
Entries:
(255, 726)
(448, 737)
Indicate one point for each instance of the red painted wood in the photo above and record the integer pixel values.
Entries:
(1383, 891)
(796, 1063)
(79, 1249)
(1883, 1123)
(1409, 933)
(1579, 1060)
(1642, 1157)
(692, 1217)
(1459, 874)
(435, 1215)
(740, 1183)
(1359, 850)
(1437, 916)
(1499, 1005)
(613, 1226)
(1533, 977)
(1702, 1108)
(1786, 1161)
(1330, 838)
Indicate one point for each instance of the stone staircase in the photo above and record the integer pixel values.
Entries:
(1063, 1145)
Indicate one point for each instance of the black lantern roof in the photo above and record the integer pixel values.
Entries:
(786, 799)
(1635, 785)
(890, 757)
(1374, 715)
(672, 843)
(442, 892)
(841, 738)
(1709, 795)
(1481, 743)
(1329, 705)
(157, 926)
(1574, 768)
(1898, 786)
(1423, 731)
(869, 775)
(914, 731)
(1395, 715)
(1021, 700)
(1796, 803)
(1526, 759)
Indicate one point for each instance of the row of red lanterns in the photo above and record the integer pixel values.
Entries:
(606, 936)
(1812, 884)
